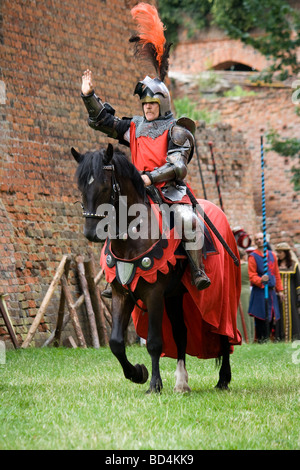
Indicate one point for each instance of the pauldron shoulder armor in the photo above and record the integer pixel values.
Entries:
(182, 138)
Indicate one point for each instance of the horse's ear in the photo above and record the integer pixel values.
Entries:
(78, 157)
(109, 153)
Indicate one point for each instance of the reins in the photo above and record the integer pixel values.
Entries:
(135, 301)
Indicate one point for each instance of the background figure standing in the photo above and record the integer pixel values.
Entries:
(244, 300)
(290, 278)
(258, 279)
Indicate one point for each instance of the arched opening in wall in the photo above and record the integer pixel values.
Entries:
(234, 67)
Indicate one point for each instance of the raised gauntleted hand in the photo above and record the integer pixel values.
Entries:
(87, 85)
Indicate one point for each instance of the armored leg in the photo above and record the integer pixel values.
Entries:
(199, 277)
(193, 237)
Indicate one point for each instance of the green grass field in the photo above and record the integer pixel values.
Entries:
(78, 399)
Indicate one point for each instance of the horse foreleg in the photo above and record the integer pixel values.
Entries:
(121, 311)
(225, 370)
(175, 314)
(155, 308)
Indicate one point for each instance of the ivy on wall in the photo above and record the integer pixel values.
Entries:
(270, 26)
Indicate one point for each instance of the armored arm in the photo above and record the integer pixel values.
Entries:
(102, 117)
(180, 151)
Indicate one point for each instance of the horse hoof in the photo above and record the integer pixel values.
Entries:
(156, 388)
(153, 390)
(182, 389)
(143, 372)
(222, 386)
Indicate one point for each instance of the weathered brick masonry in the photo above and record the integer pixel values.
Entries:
(44, 48)
(211, 48)
(271, 108)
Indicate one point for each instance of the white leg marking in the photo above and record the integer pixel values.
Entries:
(181, 375)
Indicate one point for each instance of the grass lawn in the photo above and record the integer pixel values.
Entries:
(78, 399)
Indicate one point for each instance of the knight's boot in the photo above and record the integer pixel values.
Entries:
(107, 292)
(199, 278)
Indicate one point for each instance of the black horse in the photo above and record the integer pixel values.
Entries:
(103, 178)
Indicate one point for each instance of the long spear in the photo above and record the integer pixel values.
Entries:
(216, 175)
(200, 170)
(264, 233)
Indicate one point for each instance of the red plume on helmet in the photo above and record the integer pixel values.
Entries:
(150, 41)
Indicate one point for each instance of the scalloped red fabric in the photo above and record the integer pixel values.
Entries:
(208, 313)
(158, 265)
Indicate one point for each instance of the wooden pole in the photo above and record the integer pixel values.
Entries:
(7, 321)
(88, 302)
(61, 309)
(89, 266)
(45, 302)
(76, 305)
(216, 175)
(52, 336)
(200, 170)
(72, 312)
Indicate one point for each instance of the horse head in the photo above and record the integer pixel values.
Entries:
(108, 154)
(94, 179)
(102, 176)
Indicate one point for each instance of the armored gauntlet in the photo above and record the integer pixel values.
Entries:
(102, 117)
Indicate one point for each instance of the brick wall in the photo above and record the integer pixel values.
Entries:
(44, 48)
(271, 108)
(235, 179)
(210, 48)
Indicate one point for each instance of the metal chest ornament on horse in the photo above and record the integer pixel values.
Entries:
(150, 277)
(125, 270)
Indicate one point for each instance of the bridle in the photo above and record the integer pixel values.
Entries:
(114, 196)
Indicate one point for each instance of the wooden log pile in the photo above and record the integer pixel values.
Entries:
(98, 311)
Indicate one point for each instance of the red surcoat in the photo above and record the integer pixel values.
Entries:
(148, 153)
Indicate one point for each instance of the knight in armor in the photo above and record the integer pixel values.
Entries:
(160, 145)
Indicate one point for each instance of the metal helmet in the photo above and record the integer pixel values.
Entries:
(153, 90)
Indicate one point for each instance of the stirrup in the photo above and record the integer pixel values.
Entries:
(200, 279)
(107, 292)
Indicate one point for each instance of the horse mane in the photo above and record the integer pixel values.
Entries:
(92, 166)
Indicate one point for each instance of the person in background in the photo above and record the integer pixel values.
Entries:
(257, 306)
(290, 278)
(248, 322)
